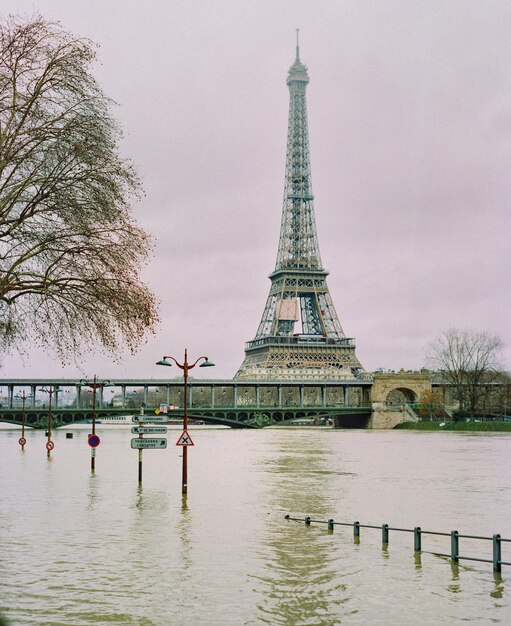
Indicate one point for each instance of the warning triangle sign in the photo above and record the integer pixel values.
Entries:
(185, 439)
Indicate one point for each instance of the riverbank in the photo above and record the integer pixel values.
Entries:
(457, 426)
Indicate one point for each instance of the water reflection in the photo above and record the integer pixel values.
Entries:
(418, 561)
(499, 586)
(92, 493)
(139, 502)
(299, 584)
(185, 543)
(82, 549)
(455, 587)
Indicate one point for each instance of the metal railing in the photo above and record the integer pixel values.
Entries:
(418, 533)
(301, 340)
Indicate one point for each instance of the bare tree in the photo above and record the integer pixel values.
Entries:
(469, 361)
(70, 251)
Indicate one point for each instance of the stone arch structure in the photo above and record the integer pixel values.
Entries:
(400, 395)
(400, 387)
(391, 391)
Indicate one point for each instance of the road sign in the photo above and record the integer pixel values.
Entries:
(185, 439)
(93, 452)
(155, 444)
(148, 430)
(22, 441)
(150, 418)
(93, 441)
(50, 445)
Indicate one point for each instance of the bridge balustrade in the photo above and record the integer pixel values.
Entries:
(134, 394)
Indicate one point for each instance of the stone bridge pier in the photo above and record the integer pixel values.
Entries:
(391, 394)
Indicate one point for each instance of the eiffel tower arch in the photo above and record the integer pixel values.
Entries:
(300, 336)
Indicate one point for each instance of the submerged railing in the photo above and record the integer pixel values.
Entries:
(455, 536)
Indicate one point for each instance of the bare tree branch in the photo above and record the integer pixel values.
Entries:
(70, 252)
(469, 361)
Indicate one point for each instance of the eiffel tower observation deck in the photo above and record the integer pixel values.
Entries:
(300, 336)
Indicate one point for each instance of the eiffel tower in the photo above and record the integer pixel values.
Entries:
(299, 336)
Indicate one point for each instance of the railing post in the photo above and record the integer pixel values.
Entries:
(307, 521)
(497, 553)
(331, 525)
(385, 534)
(356, 529)
(417, 539)
(455, 545)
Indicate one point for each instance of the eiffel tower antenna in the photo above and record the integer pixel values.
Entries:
(300, 336)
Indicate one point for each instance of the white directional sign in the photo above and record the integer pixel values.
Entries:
(149, 430)
(157, 419)
(155, 444)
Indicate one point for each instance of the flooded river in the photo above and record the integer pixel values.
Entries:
(81, 549)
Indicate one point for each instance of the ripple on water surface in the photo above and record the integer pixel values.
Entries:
(81, 549)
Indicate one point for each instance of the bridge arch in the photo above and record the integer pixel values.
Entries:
(401, 395)
(400, 387)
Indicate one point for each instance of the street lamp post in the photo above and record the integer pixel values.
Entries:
(94, 385)
(52, 389)
(23, 397)
(185, 366)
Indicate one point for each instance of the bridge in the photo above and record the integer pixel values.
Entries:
(238, 404)
(365, 401)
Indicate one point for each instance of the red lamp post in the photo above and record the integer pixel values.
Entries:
(23, 397)
(94, 385)
(185, 366)
(52, 389)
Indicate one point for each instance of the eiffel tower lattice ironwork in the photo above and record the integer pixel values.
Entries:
(299, 336)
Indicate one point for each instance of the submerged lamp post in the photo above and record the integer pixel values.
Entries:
(185, 366)
(94, 385)
(22, 440)
(52, 389)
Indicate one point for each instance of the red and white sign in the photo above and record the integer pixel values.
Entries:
(185, 439)
(50, 445)
(22, 441)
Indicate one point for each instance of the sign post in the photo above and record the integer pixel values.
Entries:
(148, 444)
(152, 443)
(140, 437)
(52, 389)
(93, 441)
(185, 366)
(185, 439)
(22, 441)
(149, 430)
(153, 419)
(94, 384)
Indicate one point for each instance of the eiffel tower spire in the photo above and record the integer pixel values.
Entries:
(299, 336)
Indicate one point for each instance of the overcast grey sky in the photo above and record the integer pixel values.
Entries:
(409, 107)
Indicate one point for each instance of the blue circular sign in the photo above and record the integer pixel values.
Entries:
(94, 441)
